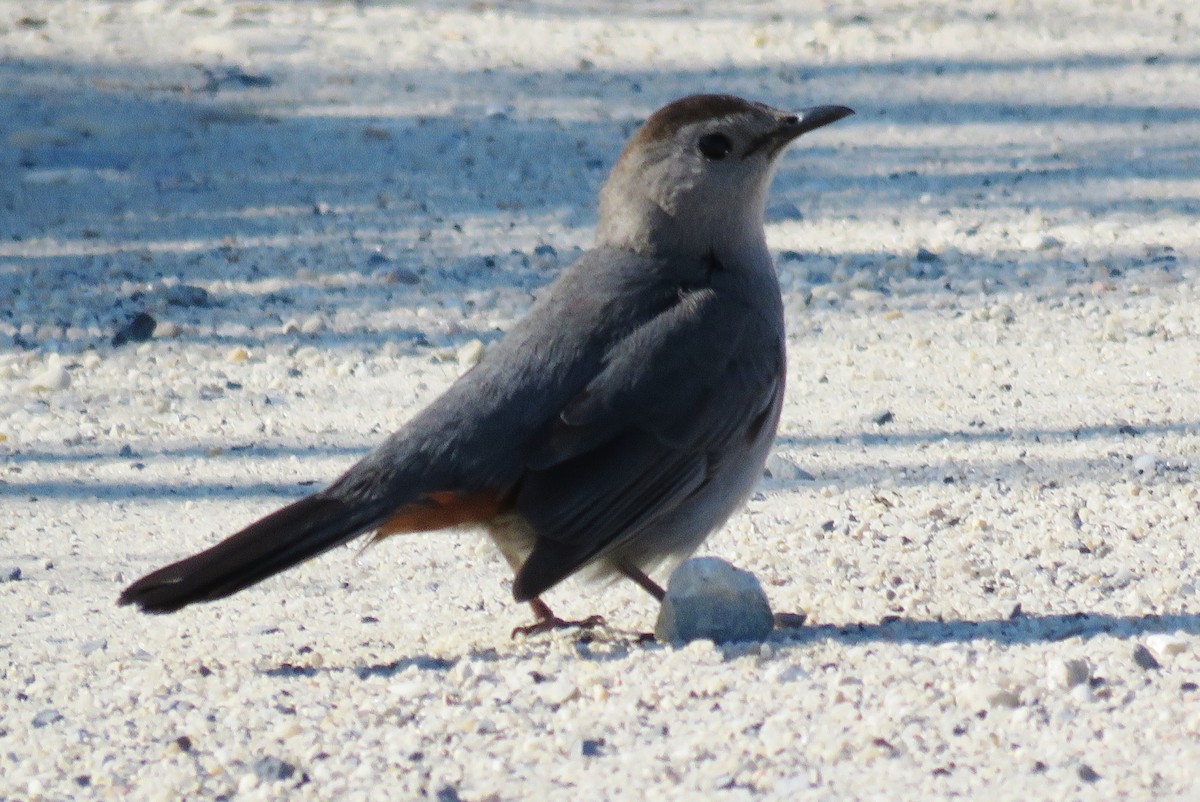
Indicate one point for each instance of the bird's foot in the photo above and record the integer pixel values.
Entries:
(553, 623)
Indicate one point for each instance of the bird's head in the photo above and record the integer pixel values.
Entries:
(695, 175)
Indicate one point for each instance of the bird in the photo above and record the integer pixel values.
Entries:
(627, 416)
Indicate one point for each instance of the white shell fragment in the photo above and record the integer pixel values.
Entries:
(1167, 645)
(53, 376)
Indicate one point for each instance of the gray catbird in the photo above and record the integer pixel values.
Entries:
(614, 427)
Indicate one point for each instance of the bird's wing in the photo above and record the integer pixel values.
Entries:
(647, 430)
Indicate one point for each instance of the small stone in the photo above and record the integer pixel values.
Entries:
(1145, 660)
(786, 674)
(238, 354)
(707, 598)
(447, 793)
(558, 692)
(1087, 773)
(926, 256)
(1164, 645)
(88, 647)
(1001, 697)
(52, 377)
(46, 718)
(271, 769)
(312, 325)
(139, 329)
(1068, 673)
(790, 620)
(400, 275)
(1002, 313)
(881, 416)
(12, 574)
(1145, 464)
(167, 329)
(782, 469)
(592, 747)
(1083, 693)
(186, 295)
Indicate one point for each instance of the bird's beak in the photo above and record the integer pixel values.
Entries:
(813, 118)
(797, 124)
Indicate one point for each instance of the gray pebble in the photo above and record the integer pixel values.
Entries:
(10, 574)
(781, 469)
(271, 769)
(592, 747)
(186, 295)
(401, 275)
(137, 330)
(91, 646)
(707, 598)
(790, 620)
(1145, 660)
(1069, 673)
(881, 416)
(448, 793)
(46, 718)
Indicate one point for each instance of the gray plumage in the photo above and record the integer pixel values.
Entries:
(616, 425)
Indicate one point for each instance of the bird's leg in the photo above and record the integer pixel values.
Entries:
(644, 582)
(547, 621)
(514, 537)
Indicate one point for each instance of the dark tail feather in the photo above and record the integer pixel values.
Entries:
(284, 538)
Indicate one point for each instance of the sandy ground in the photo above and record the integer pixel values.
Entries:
(983, 493)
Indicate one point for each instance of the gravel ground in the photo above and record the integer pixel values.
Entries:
(983, 494)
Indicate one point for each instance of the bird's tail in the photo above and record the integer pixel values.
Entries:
(297, 532)
(284, 538)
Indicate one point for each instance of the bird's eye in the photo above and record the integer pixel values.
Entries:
(714, 146)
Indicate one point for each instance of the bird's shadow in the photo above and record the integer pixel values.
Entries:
(1018, 629)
